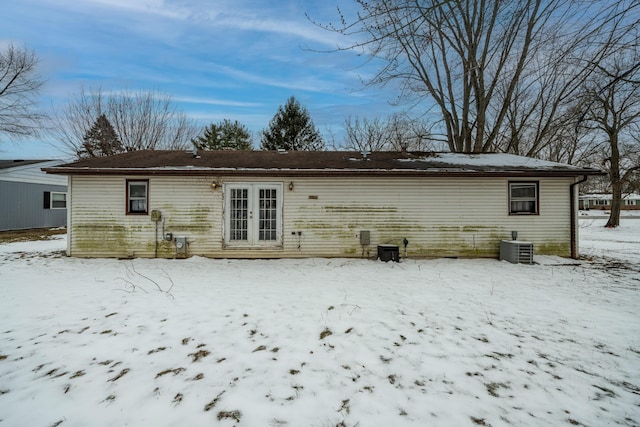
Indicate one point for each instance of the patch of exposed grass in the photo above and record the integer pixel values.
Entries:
(345, 406)
(30, 234)
(120, 375)
(199, 355)
(77, 374)
(492, 388)
(234, 415)
(178, 398)
(325, 333)
(175, 371)
(209, 406)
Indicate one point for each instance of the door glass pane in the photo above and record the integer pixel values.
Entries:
(239, 214)
(267, 215)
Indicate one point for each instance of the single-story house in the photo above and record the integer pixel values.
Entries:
(30, 198)
(603, 201)
(277, 204)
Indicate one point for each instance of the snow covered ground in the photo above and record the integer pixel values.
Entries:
(322, 342)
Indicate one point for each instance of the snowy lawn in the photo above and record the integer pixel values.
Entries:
(320, 342)
(621, 243)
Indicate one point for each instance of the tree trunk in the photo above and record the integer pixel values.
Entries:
(616, 183)
(616, 201)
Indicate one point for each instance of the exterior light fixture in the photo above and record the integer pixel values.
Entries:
(291, 186)
(214, 185)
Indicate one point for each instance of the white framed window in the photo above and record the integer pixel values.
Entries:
(58, 200)
(523, 198)
(55, 200)
(253, 214)
(602, 202)
(137, 197)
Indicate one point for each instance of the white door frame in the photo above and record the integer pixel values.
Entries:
(255, 228)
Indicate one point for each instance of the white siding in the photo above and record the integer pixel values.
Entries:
(101, 227)
(438, 216)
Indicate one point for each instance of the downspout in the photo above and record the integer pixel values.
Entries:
(155, 252)
(69, 216)
(574, 217)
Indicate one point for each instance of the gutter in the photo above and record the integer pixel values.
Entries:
(574, 217)
(301, 173)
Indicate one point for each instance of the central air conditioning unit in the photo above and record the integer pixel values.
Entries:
(516, 252)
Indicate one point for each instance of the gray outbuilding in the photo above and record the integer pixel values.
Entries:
(30, 198)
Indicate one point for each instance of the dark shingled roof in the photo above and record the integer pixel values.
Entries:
(316, 163)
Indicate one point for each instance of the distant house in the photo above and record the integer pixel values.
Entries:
(603, 201)
(29, 198)
(269, 204)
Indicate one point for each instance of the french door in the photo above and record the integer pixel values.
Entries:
(253, 214)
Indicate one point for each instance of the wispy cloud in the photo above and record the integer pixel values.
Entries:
(309, 83)
(301, 29)
(213, 101)
(150, 7)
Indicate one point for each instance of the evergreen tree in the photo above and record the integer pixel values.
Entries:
(101, 140)
(225, 135)
(292, 129)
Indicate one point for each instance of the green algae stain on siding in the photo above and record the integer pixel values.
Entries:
(481, 228)
(101, 238)
(199, 214)
(366, 209)
(191, 228)
(165, 249)
(350, 251)
(553, 248)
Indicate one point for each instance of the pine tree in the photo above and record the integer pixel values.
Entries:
(225, 135)
(101, 140)
(292, 129)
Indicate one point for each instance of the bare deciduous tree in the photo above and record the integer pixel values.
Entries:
(395, 133)
(478, 59)
(364, 134)
(19, 87)
(614, 112)
(142, 120)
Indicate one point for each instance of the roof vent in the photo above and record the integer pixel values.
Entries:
(194, 153)
(364, 154)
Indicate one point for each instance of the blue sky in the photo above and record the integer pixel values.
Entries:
(235, 59)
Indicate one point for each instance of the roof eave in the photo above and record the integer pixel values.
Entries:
(323, 172)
